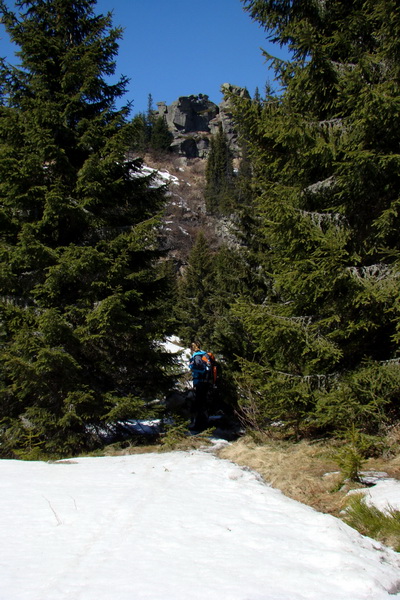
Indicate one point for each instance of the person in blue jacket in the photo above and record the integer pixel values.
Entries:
(201, 369)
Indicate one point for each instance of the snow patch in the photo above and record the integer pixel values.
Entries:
(160, 177)
(385, 494)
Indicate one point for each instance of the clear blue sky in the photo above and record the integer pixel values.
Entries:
(180, 47)
(173, 48)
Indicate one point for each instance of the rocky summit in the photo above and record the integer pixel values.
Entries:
(194, 119)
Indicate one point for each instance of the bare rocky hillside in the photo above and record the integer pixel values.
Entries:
(185, 215)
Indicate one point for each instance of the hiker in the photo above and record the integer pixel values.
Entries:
(204, 375)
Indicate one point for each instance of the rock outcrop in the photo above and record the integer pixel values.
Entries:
(189, 113)
(194, 119)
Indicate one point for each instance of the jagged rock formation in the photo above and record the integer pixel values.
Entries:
(189, 113)
(194, 119)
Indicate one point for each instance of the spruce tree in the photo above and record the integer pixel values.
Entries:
(194, 311)
(218, 193)
(81, 295)
(161, 137)
(151, 133)
(324, 338)
(141, 134)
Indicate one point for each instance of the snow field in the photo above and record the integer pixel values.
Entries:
(174, 526)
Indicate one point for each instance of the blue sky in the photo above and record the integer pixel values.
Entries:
(173, 48)
(180, 47)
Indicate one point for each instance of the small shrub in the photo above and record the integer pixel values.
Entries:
(175, 434)
(177, 437)
(350, 457)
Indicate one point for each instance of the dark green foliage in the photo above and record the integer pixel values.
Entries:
(151, 133)
(243, 182)
(322, 340)
(142, 133)
(82, 293)
(161, 137)
(194, 309)
(210, 286)
(367, 397)
(219, 193)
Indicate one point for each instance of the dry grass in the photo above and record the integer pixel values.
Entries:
(116, 450)
(304, 471)
(175, 442)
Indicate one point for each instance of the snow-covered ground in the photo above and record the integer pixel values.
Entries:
(175, 526)
(160, 177)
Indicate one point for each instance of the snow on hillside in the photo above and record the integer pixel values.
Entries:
(174, 526)
(160, 177)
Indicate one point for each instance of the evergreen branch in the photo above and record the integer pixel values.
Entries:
(391, 361)
(321, 185)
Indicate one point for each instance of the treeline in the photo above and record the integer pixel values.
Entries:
(303, 309)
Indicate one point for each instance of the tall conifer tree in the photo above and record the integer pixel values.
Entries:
(193, 311)
(161, 137)
(326, 163)
(219, 176)
(81, 297)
